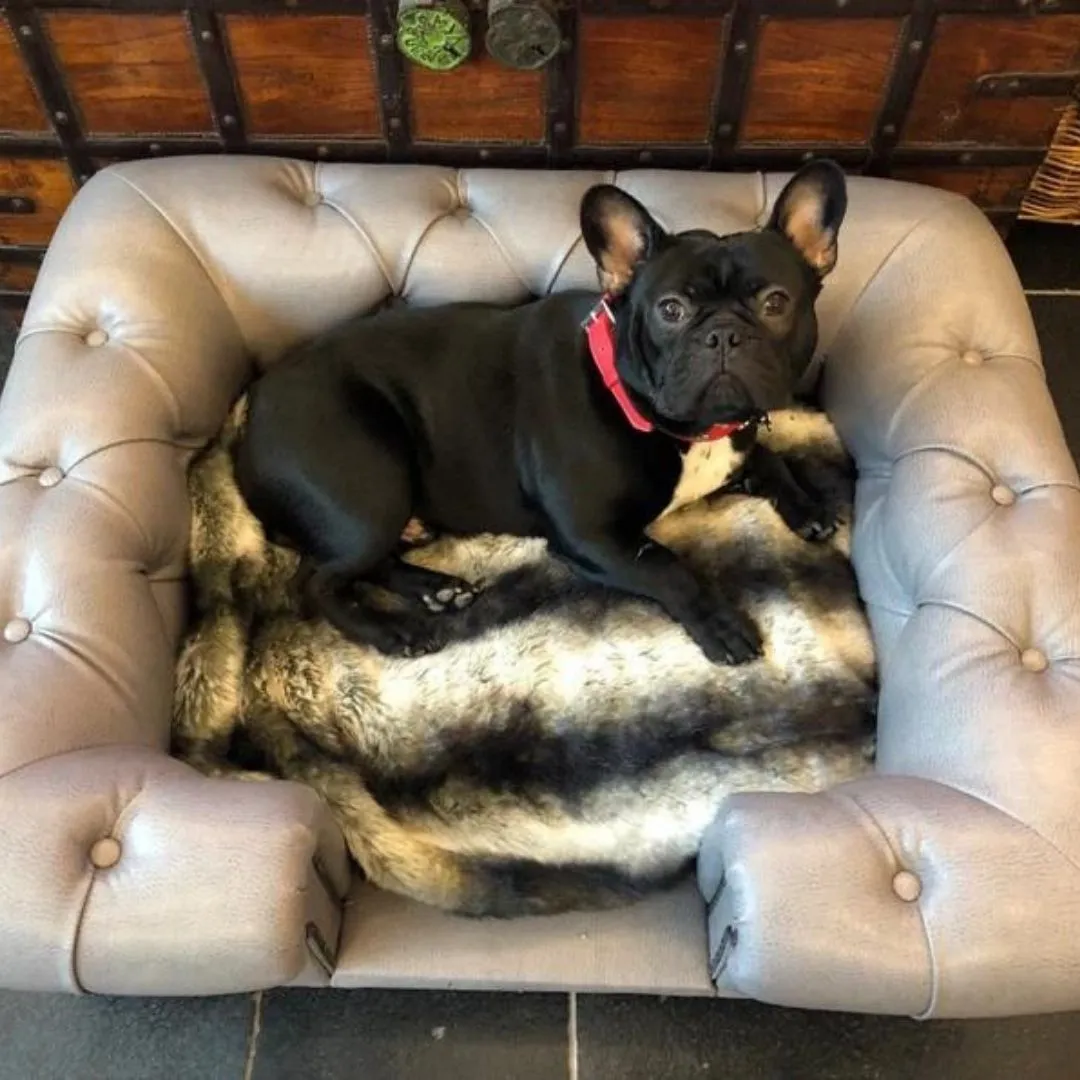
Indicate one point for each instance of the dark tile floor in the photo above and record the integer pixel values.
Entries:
(394, 1035)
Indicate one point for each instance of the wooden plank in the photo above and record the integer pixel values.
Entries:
(818, 80)
(41, 64)
(481, 101)
(991, 187)
(20, 108)
(647, 80)
(305, 74)
(17, 277)
(130, 73)
(946, 109)
(48, 183)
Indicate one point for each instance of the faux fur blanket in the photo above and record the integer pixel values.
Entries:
(569, 745)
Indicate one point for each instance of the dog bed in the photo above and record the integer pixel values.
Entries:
(568, 745)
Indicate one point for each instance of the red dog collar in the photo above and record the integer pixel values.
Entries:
(600, 333)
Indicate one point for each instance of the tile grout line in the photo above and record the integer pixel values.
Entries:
(571, 1028)
(253, 1036)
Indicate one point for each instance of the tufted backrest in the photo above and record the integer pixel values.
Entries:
(167, 279)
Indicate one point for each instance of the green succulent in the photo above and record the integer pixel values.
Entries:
(433, 37)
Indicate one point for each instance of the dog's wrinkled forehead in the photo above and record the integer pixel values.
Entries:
(702, 265)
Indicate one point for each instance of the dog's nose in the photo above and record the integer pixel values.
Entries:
(728, 337)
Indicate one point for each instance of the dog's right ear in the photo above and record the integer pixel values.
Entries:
(619, 233)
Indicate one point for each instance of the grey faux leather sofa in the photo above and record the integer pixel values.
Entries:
(947, 884)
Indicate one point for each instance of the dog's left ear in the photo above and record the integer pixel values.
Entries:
(809, 212)
(619, 233)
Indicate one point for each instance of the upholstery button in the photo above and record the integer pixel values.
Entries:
(312, 198)
(17, 630)
(50, 477)
(907, 885)
(972, 357)
(105, 853)
(1002, 495)
(1034, 660)
(96, 338)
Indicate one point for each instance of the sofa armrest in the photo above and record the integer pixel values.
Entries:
(217, 886)
(890, 895)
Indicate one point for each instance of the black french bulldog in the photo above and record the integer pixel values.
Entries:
(478, 419)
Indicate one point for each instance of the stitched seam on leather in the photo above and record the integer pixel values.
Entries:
(963, 455)
(76, 935)
(34, 470)
(187, 242)
(871, 819)
(116, 830)
(1050, 485)
(117, 506)
(889, 256)
(954, 786)
(889, 610)
(945, 448)
(1023, 358)
(368, 242)
(562, 263)
(140, 440)
(34, 331)
(501, 250)
(945, 363)
(416, 250)
(912, 391)
(952, 605)
(85, 748)
(75, 653)
(956, 545)
(935, 968)
(759, 215)
(171, 400)
(1019, 821)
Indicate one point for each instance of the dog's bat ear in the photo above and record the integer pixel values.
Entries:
(619, 233)
(809, 212)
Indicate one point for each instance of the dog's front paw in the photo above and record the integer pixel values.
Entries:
(808, 517)
(727, 636)
(818, 526)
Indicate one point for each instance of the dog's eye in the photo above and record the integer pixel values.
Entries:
(775, 303)
(672, 310)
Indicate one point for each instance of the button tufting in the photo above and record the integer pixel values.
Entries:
(50, 477)
(907, 885)
(973, 357)
(96, 338)
(312, 198)
(17, 630)
(1034, 660)
(1002, 495)
(105, 853)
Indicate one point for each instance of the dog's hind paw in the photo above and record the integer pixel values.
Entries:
(453, 597)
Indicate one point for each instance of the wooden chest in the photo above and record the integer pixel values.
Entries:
(964, 94)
